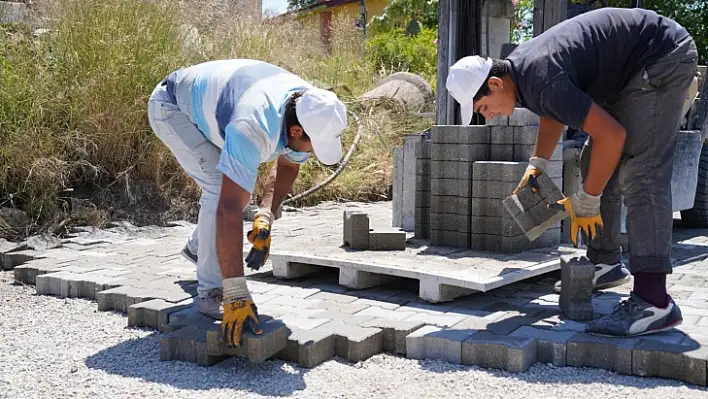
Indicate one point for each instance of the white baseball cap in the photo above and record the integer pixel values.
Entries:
(323, 117)
(464, 79)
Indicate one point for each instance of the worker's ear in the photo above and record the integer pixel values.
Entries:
(495, 84)
(296, 131)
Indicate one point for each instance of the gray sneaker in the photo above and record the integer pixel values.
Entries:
(189, 255)
(606, 276)
(211, 305)
(634, 317)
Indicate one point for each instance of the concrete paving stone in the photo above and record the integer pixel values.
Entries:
(498, 243)
(117, 298)
(353, 319)
(440, 320)
(450, 170)
(452, 205)
(666, 337)
(491, 225)
(422, 149)
(449, 238)
(189, 316)
(458, 134)
(333, 296)
(422, 198)
(302, 323)
(187, 344)
(501, 152)
(525, 135)
(424, 307)
(422, 167)
(377, 312)
(387, 239)
(78, 286)
(550, 345)
(295, 292)
(451, 187)
(296, 302)
(498, 121)
(577, 274)
(394, 332)
(73, 268)
(512, 354)
(569, 325)
(651, 358)
(501, 135)
(549, 238)
(356, 229)
(459, 152)
(493, 189)
(308, 348)
(348, 308)
(256, 348)
(381, 304)
(433, 342)
(609, 353)
(486, 207)
(300, 312)
(523, 117)
(34, 269)
(450, 222)
(10, 260)
(354, 343)
(154, 313)
(492, 323)
(422, 182)
(50, 284)
(502, 171)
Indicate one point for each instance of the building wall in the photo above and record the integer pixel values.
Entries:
(324, 17)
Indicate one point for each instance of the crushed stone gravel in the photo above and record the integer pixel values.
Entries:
(61, 348)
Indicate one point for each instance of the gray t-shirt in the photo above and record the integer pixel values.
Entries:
(588, 58)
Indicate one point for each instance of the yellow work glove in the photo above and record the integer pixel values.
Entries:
(536, 168)
(239, 311)
(259, 236)
(584, 211)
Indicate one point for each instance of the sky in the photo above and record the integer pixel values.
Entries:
(279, 6)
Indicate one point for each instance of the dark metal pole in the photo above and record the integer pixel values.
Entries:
(636, 4)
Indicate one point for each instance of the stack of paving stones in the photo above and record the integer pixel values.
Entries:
(310, 321)
(422, 189)
(472, 169)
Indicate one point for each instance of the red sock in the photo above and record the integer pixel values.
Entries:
(652, 288)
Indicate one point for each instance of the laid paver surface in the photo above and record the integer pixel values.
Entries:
(510, 328)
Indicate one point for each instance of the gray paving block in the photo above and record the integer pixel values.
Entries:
(441, 343)
(513, 354)
(554, 170)
(390, 239)
(422, 199)
(449, 238)
(498, 121)
(487, 207)
(450, 222)
(10, 260)
(451, 187)
(346, 318)
(458, 134)
(653, 358)
(451, 170)
(154, 313)
(422, 167)
(422, 149)
(523, 117)
(549, 238)
(309, 348)
(422, 182)
(525, 135)
(551, 345)
(459, 152)
(530, 210)
(422, 216)
(502, 226)
(493, 189)
(187, 344)
(501, 152)
(117, 298)
(450, 205)
(257, 348)
(51, 283)
(356, 230)
(498, 243)
(422, 231)
(354, 343)
(394, 332)
(577, 273)
(504, 171)
(502, 135)
(609, 353)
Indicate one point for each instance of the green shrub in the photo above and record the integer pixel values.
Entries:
(393, 51)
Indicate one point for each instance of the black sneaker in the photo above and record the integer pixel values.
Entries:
(606, 276)
(636, 316)
(189, 255)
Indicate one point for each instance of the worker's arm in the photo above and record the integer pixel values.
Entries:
(549, 132)
(229, 228)
(608, 138)
(279, 182)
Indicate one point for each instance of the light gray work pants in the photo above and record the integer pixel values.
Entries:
(649, 108)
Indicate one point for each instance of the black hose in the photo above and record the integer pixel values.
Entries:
(340, 168)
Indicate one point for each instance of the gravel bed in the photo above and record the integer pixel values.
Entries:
(59, 348)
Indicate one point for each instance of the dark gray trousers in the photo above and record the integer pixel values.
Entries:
(649, 108)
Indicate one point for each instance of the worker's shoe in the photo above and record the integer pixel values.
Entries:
(636, 316)
(211, 304)
(189, 255)
(606, 276)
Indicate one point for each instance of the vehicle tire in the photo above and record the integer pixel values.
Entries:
(698, 215)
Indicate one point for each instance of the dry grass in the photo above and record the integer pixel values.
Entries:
(73, 101)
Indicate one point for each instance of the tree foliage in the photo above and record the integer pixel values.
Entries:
(294, 5)
(398, 13)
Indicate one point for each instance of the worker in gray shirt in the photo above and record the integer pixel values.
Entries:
(621, 75)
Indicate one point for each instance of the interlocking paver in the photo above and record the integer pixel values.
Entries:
(614, 354)
(187, 344)
(257, 348)
(551, 345)
(309, 348)
(394, 332)
(686, 362)
(513, 354)
(354, 343)
(154, 313)
(432, 342)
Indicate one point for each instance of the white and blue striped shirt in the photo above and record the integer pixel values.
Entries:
(239, 105)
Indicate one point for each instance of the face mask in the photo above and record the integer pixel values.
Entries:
(296, 156)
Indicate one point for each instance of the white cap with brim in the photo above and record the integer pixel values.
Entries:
(464, 79)
(323, 117)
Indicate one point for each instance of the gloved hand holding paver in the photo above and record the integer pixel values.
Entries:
(259, 236)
